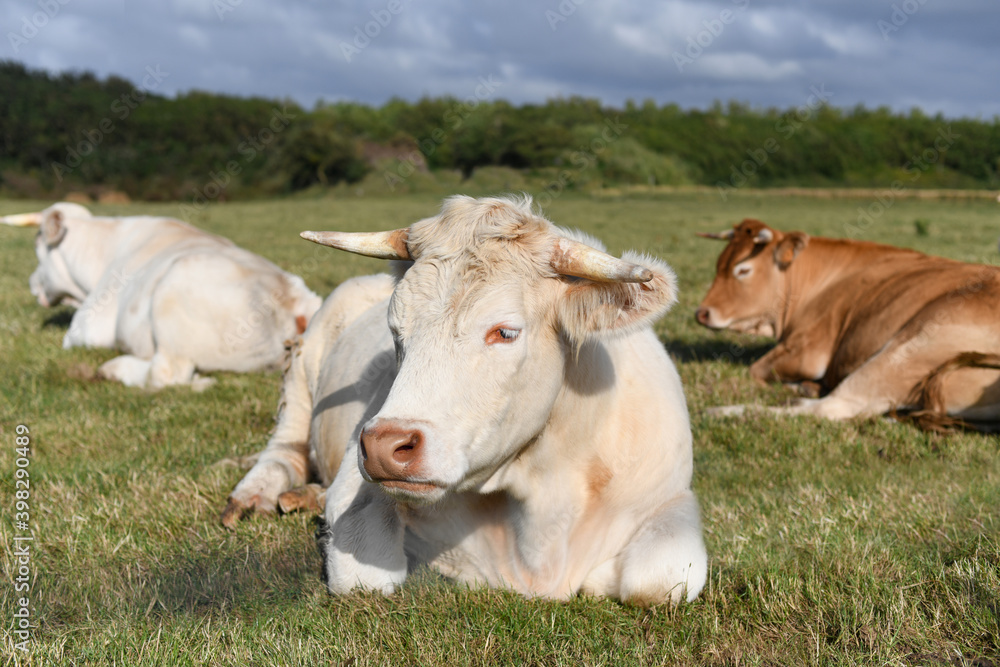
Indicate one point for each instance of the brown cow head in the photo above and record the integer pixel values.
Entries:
(750, 290)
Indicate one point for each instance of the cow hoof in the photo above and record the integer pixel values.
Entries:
(233, 513)
(84, 372)
(309, 498)
(236, 510)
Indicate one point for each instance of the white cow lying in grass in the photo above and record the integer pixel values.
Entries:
(173, 297)
(502, 410)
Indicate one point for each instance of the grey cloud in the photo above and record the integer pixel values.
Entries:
(942, 57)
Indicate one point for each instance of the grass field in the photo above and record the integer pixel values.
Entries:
(862, 543)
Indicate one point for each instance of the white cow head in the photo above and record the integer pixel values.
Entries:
(52, 282)
(485, 321)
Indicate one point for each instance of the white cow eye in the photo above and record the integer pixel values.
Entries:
(742, 271)
(501, 335)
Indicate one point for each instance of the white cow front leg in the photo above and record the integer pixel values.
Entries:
(155, 373)
(130, 370)
(362, 543)
(93, 325)
(666, 560)
(284, 463)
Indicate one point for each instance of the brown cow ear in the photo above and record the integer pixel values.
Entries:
(789, 248)
(53, 228)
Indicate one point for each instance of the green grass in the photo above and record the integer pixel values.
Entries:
(862, 543)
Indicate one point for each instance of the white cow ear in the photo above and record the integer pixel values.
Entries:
(53, 228)
(591, 309)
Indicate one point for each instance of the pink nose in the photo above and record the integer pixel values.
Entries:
(702, 315)
(391, 452)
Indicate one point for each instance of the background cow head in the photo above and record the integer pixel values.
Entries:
(496, 304)
(53, 281)
(749, 292)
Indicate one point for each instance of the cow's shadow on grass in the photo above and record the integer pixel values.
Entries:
(718, 349)
(60, 319)
(276, 570)
(250, 570)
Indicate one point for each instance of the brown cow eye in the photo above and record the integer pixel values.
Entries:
(502, 335)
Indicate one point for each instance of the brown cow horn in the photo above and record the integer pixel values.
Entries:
(721, 236)
(572, 258)
(381, 245)
(22, 219)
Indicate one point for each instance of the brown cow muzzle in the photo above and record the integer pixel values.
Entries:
(392, 455)
(704, 317)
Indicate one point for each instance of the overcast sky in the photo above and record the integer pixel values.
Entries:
(940, 55)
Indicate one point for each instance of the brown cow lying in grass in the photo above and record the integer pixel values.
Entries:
(873, 327)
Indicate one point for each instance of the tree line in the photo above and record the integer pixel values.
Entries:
(74, 131)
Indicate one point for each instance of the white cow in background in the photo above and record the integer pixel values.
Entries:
(174, 298)
(501, 409)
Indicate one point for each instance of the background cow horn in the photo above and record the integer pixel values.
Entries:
(22, 219)
(381, 245)
(764, 237)
(571, 258)
(721, 236)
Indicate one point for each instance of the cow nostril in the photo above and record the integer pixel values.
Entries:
(407, 451)
(701, 315)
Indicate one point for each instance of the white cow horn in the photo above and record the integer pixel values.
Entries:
(764, 237)
(721, 236)
(571, 258)
(22, 219)
(381, 245)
